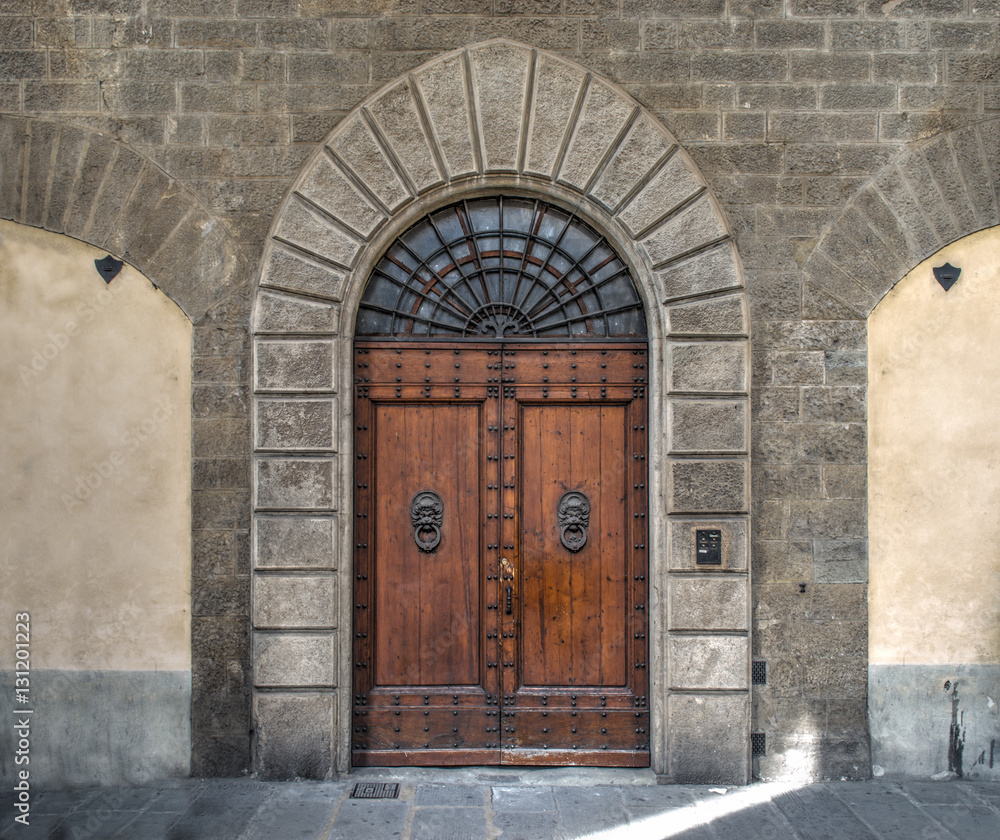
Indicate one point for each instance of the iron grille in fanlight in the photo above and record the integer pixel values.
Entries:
(501, 268)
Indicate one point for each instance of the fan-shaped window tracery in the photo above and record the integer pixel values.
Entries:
(504, 268)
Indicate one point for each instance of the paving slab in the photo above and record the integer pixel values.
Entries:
(292, 817)
(761, 822)
(817, 814)
(524, 799)
(525, 825)
(661, 796)
(940, 793)
(448, 824)
(95, 823)
(469, 796)
(884, 809)
(583, 811)
(972, 821)
(223, 812)
(150, 826)
(372, 819)
(173, 800)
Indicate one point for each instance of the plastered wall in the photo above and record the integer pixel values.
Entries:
(934, 494)
(95, 500)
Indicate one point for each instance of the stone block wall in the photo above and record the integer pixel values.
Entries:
(842, 143)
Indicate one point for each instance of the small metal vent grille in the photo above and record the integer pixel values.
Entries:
(758, 672)
(375, 790)
(758, 743)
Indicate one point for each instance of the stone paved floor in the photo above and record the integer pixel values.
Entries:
(538, 805)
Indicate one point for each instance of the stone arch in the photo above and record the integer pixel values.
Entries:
(499, 116)
(934, 193)
(73, 180)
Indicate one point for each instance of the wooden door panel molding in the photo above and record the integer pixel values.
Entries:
(500, 645)
(428, 602)
(573, 603)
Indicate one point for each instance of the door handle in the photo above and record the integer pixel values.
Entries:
(510, 597)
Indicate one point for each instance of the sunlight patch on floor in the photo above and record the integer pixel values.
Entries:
(675, 821)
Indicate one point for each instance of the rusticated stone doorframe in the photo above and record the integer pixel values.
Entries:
(499, 117)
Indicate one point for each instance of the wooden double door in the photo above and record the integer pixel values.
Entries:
(500, 566)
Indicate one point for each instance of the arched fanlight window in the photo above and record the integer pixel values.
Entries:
(502, 268)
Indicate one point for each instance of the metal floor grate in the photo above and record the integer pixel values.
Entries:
(375, 790)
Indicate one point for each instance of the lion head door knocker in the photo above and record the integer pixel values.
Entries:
(426, 516)
(574, 518)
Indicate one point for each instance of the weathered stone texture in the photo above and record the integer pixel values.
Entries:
(295, 366)
(708, 662)
(295, 484)
(294, 602)
(287, 659)
(712, 727)
(288, 542)
(294, 735)
(703, 604)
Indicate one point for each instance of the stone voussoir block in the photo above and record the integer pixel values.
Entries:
(303, 425)
(295, 484)
(361, 151)
(294, 660)
(295, 542)
(556, 88)
(443, 87)
(500, 79)
(396, 114)
(308, 229)
(329, 188)
(605, 114)
(710, 271)
(717, 316)
(297, 273)
(674, 183)
(682, 542)
(708, 662)
(283, 602)
(693, 227)
(279, 313)
(299, 365)
(640, 151)
(718, 603)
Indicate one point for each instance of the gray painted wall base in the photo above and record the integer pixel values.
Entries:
(100, 727)
(912, 713)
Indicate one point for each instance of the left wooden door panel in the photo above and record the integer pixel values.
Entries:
(424, 686)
